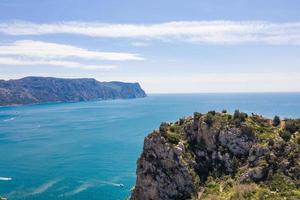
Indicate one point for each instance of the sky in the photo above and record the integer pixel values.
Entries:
(168, 46)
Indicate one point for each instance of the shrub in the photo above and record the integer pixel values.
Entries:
(172, 128)
(212, 112)
(243, 191)
(239, 116)
(271, 142)
(211, 197)
(276, 121)
(181, 121)
(248, 131)
(197, 115)
(209, 119)
(224, 111)
(236, 114)
(243, 116)
(163, 127)
(280, 183)
(173, 137)
(237, 123)
(298, 140)
(285, 135)
(291, 125)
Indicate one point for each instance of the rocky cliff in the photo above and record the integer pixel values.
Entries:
(30, 90)
(221, 156)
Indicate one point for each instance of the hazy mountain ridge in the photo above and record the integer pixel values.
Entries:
(31, 90)
(221, 156)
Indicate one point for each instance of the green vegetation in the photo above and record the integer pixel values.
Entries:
(226, 188)
(277, 185)
(292, 125)
(239, 117)
(212, 112)
(276, 121)
(31, 90)
(262, 129)
(284, 134)
(209, 119)
(171, 132)
(273, 159)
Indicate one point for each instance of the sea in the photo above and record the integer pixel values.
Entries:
(88, 150)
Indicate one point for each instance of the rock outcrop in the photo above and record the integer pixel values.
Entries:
(220, 156)
(31, 90)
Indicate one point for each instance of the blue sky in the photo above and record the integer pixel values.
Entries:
(167, 46)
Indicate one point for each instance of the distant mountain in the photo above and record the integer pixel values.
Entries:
(31, 90)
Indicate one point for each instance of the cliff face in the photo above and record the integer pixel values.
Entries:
(220, 156)
(44, 89)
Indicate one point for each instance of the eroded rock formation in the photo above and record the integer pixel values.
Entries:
(220, 156)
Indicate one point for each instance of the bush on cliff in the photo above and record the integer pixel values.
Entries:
(236, 157)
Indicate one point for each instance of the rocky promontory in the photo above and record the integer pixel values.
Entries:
(220, 156)
(31, 90)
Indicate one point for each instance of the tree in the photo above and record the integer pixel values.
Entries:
(239, 116)
(209, 119)
(276, 121)
(212, 112)
(164, 127)
(236, 114)
(197, 115)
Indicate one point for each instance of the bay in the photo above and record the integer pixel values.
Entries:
(88, 150)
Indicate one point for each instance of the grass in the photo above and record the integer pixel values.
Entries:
(262, 131)
(277, 186)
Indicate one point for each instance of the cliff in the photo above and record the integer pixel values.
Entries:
(31, 90)
(221, 156)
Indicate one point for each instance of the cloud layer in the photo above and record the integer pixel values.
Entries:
(54, 50)
(215, 32)
(28, 52)
(53, 62)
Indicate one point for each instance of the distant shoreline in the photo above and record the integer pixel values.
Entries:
(68, 102)
(36, 90)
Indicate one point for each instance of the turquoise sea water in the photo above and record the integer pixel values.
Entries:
(88, 150)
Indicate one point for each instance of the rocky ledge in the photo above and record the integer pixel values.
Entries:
(221, 156)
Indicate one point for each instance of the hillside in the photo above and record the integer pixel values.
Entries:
(219, 156)
(31, 90)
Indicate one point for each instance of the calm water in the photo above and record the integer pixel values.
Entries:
(87, 150)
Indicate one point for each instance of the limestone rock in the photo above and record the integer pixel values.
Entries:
(180, 159)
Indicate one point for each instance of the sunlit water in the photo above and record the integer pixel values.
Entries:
(88, 150)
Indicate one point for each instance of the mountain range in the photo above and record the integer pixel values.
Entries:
(31, 90)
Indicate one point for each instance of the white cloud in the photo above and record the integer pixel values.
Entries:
(216, 32)
(140, 44)
(48, 50)
(28, 52)
(69, 64)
